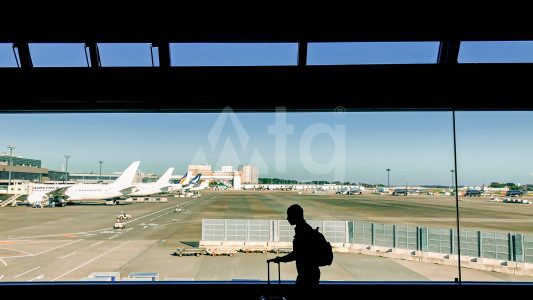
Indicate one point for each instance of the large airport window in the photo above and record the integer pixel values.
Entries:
(233, 54)
(378, 185)
(58, 55)
(372, 53)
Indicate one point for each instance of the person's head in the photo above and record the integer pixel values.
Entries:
(295, 214)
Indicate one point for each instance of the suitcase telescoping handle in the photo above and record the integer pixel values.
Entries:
(279, 272)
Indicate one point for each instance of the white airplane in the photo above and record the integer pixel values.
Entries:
(351, 191)
(356, 191)
(160, 186)
(202, 186)
(184, 181)
(120, 187)
(193, 183)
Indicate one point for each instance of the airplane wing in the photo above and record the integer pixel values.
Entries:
(166, 189)
(58, 192)
(127, 190)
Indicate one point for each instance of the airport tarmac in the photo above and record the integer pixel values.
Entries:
(69, 243)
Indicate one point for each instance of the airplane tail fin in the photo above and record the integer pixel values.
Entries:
(186, 178)
(165, 178)
(196, 179)
(125, 180)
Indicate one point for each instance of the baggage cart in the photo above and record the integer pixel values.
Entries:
(119, 225)
(254, 250)
(218, 252)
(189, 251)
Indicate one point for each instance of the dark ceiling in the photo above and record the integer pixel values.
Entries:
(445, 85)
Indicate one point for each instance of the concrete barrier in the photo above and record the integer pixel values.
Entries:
(480, 263)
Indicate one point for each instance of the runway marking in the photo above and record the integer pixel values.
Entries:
(141, 255)
(25, 272)
(68, 255)
(90, 261)
(76, 234)
(96, 243)
(15, 255)
(5, 264)
(38, 277)
(76, 241)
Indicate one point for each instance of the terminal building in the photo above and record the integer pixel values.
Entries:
(25, 169)
(227, 176)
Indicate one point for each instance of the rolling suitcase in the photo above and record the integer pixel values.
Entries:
(269, 296)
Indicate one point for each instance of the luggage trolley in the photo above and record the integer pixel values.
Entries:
(269, 296)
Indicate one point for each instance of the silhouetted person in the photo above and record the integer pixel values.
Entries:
(303, 246)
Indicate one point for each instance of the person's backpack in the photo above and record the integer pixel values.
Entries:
(324, 251)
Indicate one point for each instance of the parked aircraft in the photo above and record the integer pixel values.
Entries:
(80, 191)
(404, 192)
(160, 186)
(193, 183)
(184, 181)
(382, 190)
(472, 193)
(200, 187)
(351, 191)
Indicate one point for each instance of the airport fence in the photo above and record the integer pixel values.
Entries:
(475, 243)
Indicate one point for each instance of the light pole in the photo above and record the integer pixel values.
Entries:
(11, 147)
(66, 167)
(100, 176)
(388, 173)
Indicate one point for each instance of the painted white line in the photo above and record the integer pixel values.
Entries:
(24, 252)
(183, 204)
(58, 247)
(25, 272)
(68, 254)
(96, 243)
(38, 277)
(5, 265)
(90, 261)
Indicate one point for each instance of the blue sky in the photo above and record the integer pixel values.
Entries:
(356, 147)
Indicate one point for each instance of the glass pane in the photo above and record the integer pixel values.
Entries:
(496, 52)
(495, 182)
(7, 57)
(336, 165)
(126, 55)
(364, 53)
(58, 55)
(233, 54)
